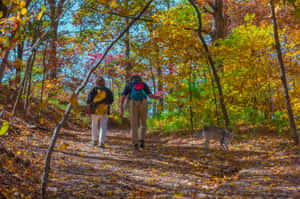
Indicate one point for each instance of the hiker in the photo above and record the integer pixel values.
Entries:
(138, 108)
(99, 101)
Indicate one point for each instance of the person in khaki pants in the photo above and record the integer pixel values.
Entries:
(138, 108)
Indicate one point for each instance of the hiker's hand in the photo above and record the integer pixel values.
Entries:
(155, 96)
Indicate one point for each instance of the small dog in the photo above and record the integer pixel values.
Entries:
(215, 133)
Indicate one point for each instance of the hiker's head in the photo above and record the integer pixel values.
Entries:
(100, 81)
(136, 78)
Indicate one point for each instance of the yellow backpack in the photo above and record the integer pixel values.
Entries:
(101, 109)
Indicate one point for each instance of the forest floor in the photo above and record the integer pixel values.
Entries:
(173, 166)
(170, 166)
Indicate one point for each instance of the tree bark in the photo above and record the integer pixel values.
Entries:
(3, 64)
(22, 84)
(211, 62)
(55, 11)
(154, 88)
(283, 77)
(218, 21)
(4, 9)
(29, 83)
(44, 73)
(191, 99)
(20, 57)
(77, 91)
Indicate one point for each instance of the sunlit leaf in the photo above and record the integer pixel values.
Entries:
(113, 3)
(63, 146)
(22, 4)
(4, 128)
(24, 11)
(177, 196)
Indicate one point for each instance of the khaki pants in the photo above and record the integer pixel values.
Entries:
(138, 119)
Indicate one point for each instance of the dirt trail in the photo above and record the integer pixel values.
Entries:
(170, 167)
(174, 166)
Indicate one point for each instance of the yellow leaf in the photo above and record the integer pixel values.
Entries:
(22, 4)
(113, 3)
(41, 13)
(4, 128)
(42, 121)
(24, 11)
(1, 14)
(63, 146)
(177, 196)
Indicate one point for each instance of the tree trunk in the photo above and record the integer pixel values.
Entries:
(22, 84)
(44, 73)
(77, 91)
(18, 68)
(191, 100)
(3, 64)
(218, 21)
(29, 82)
(283, 77)
(211, 62)
(55, 14)
(215, 98)
(154, 87)
(4, 9)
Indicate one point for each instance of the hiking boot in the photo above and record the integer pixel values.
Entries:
(135, 146)
(92, 143)
(142, 143)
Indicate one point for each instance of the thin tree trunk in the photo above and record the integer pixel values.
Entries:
(154, 87)
(77, 91)
(29, 83)
(44, 73)
(211, 62)
(191, 100)
(55, 14)
(3, 65)
(283, 77)
(215, 99)
(22, 84)
(18, 69)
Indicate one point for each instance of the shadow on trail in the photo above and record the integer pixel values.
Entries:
(161, 169)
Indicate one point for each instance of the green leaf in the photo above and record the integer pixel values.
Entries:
(4, 128)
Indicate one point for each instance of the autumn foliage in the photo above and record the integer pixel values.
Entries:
(48, 48)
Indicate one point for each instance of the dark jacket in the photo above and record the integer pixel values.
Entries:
(107, 100)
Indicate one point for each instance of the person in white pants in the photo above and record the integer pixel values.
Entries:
(99, 100)
(99, 124)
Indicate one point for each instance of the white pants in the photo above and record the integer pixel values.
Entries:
(99, 127)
